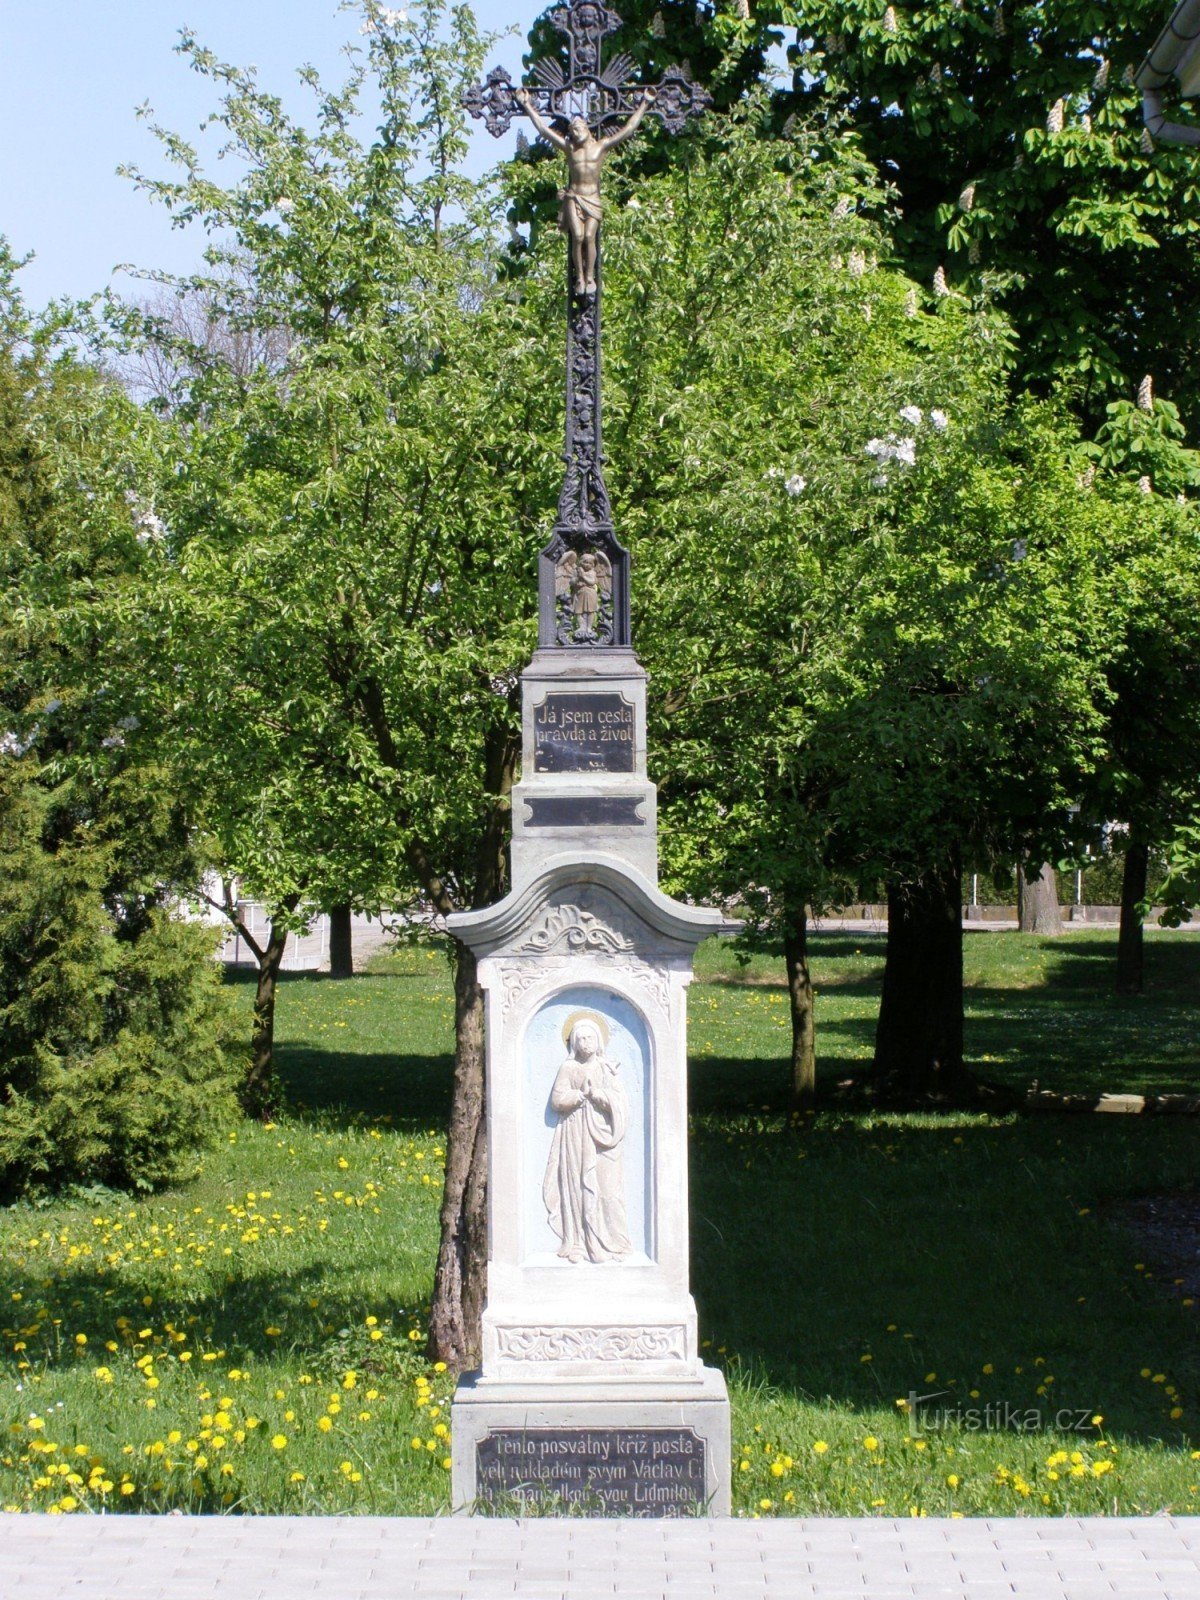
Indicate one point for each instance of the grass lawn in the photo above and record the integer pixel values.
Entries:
(255, 1341)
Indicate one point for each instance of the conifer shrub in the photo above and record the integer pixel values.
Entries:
(117, 1054)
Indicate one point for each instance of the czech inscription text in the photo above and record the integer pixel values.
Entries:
(584, 733)
(639, 1472)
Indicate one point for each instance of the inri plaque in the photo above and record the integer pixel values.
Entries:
(614, 1472)
(583, 733)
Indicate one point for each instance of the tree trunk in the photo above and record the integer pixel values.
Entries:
(341, 945)
(460, 1278)
(800, 993)
(1037, 900)
(260, 1087)
(460, 1281)
(459, 1284)
(919, 1038)
(1130, 941)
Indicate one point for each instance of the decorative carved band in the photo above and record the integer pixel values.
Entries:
(518, 977)
(568, 929)
(667, 1343)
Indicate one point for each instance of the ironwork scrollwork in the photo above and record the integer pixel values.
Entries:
(584, 570)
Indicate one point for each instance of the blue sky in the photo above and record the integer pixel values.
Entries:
(71, 78)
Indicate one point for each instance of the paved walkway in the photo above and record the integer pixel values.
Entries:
(362, 1558)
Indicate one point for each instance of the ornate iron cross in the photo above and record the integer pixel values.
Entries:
(583, 588)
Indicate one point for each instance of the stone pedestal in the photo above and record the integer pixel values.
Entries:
(592, 1391)
(602, 1450)
(583, 763)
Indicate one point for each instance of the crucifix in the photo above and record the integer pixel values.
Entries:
(584, 111)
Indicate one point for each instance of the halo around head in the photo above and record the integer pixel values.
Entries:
(597, 1021)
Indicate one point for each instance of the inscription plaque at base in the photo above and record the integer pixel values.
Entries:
(611, 1472)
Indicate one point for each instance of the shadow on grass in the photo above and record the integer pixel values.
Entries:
(327, 1336)
(731, 1086)
(983, 1242)
(1088, 962)
(355, 1080)
(411, 1092)
(1037, 1010)
(864, 1259)
(1078, 1043)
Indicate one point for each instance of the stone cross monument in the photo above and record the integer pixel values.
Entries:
(592, 1395)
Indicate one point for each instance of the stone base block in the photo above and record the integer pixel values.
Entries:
(618, 1449)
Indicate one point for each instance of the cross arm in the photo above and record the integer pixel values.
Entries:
(525, 100)
(645, 101)
(601, 104)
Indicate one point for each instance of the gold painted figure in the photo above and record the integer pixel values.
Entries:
(581, 207)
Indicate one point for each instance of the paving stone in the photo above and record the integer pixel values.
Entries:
(452, 1559)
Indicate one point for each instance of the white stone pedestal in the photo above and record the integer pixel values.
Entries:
(617, 1449)
(592, 1390)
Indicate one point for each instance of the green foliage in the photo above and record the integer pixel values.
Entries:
(113, 1066)
(1142, 443)
(1013, 136)
(785, 350)
(1149, 566)
(342, 596)
(116, 1059)
(867, 591)
(1180, 892)
(963, 692)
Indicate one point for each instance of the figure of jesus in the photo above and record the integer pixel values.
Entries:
(581, 208)
(584, 1186)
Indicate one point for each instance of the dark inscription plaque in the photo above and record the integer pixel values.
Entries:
(585, 811)
(610, 1472)
(583, 733)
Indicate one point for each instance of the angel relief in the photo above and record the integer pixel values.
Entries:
(583, 586)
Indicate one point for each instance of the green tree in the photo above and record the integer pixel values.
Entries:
(749, 374)
(117, 1061)
(1150, 780)
(342, 595)
(1012, 135)
(973, 709)
(114, 1035)
(1012, 138)
(832, 501)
